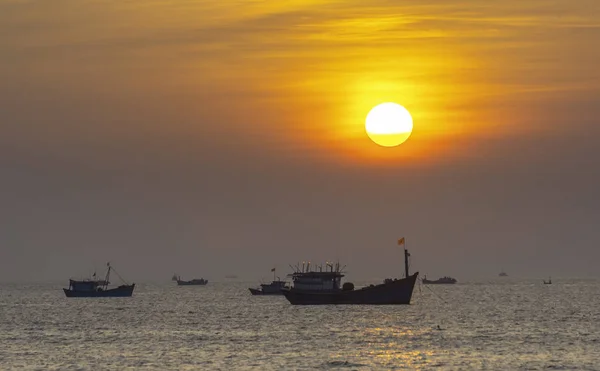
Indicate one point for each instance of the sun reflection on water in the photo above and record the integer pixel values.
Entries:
(390, 347)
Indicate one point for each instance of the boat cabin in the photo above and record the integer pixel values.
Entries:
(273, 287)
(317, 281)
(84, 285)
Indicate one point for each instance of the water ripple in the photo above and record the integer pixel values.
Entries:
(495, 326)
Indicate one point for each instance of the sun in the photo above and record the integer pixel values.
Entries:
(389, 124)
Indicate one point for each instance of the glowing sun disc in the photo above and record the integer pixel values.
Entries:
(389, 124)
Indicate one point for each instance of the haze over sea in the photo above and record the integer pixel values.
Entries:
(500, 324)
(228, 137)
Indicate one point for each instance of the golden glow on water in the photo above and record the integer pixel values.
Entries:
(391, 348)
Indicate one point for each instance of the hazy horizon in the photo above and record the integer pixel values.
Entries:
(211, 138)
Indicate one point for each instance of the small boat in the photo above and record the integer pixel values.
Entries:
(323, 287)
(97, 288)
(549, 282)
(273, 288)
(194, 282)
(503, 274)
(440, 281)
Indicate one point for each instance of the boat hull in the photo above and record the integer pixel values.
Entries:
(188, 283)
(119, 292)
(389, 293)
(427, 282)
(264, 293)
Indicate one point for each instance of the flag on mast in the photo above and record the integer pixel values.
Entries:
(401, 241)
(273, 270)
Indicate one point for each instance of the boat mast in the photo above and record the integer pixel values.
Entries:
(402, 242)
(107, 276)
(406, 255)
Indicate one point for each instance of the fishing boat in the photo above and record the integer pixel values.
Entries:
(323, 287)
(549, 282)
(440, 281)
(97, 288)
(273, 288)
(194, 282)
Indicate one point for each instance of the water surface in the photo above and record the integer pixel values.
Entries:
(498, 325)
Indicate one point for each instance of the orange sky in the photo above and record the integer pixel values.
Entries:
(211, 88)
(309, 71)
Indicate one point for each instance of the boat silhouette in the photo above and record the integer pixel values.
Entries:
(194, 282)
(273, 288)
(323, 287)
(97, 288)
(440, 281)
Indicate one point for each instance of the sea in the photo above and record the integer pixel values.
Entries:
(498, 324)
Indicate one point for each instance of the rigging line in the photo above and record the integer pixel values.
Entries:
(434, 293)
(421, 284)
(118, 275)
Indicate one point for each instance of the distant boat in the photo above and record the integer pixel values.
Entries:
(97, 288)
(503, 274)
(549, 282)
(194, 282)
(273, 288)
(440, 281)
(323, 287)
